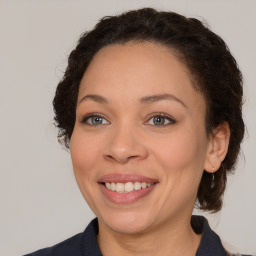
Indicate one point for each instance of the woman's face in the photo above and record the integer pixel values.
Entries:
(140, 130)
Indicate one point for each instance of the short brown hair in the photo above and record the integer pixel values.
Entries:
(206, 56)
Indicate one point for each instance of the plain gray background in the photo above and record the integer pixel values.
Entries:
(40, 203)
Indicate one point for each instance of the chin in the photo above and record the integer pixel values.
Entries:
(127, 223)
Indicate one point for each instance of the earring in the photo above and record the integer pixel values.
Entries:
(213, 181)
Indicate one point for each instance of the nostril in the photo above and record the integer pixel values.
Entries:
(122, 149)
(109, 157)
(131, 157)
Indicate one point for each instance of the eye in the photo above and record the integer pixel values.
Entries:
(160, 120)
(95, 120)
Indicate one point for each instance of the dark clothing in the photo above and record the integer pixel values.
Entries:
(85, 244)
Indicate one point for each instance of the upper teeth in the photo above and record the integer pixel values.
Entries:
(127, 187)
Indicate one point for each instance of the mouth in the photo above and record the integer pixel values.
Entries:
(126, 189)
(128, 186)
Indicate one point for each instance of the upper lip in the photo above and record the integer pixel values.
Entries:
(123, 178)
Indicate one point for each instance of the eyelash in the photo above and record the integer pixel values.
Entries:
(87, 117)
(170, 119)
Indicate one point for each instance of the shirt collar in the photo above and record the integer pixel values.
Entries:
(210, 244)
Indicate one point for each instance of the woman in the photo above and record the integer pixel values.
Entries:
(150, 108)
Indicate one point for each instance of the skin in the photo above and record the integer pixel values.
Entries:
(129, 142)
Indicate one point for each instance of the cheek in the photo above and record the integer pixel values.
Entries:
(182, 156)
(84, 151)
(181, 150)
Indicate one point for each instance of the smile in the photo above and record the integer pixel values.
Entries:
(127, 187)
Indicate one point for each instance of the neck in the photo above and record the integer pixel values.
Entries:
(173, 238)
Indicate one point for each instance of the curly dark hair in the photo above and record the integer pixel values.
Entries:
(213, 69)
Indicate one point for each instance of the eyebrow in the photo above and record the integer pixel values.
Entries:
(144, 100)
(94, 97)
(159, 97)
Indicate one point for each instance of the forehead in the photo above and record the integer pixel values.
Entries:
(144, 68)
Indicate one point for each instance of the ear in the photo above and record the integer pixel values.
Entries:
(217, 147)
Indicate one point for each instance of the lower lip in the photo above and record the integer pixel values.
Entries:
(128, 197)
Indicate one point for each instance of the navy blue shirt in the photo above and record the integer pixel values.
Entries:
(85, 244)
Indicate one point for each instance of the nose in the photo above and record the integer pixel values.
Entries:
(125, 144)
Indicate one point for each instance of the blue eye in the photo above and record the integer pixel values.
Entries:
(95, 120)
(160, 120)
